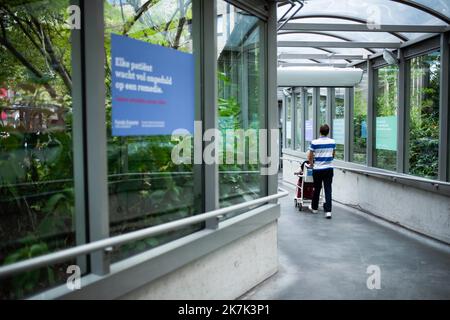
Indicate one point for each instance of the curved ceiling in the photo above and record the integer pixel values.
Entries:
(387, 15)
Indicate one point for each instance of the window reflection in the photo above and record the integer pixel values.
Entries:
(424, 89)
(145, 187)
(338, 126)
(361, 97)
(241, 100)
(36, 157)
(386, 107)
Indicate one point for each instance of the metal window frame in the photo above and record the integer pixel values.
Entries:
(270, 33)
(371, 113)
(330, 99)
(94, 129)
(346, 18)
(78, 143)
(207, 13)
(351, 115)
(348, 120)
(316, 110)
(198, 168)
(284, 107)
(379, 64)
(294, 119)
(361, 27)
(402, 114)
(254, 7)
(303, 113)
(90, 145)
(306, 112)
(406, 51)
(444, 112)
(339, 44)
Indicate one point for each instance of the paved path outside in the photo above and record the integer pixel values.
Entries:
(328, 259)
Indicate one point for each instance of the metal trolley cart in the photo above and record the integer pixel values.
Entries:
(305, 187)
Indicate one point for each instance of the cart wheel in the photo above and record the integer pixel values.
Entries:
(300, 207)
(295, 202)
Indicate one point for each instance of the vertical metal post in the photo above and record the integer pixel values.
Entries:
(80, 220)
(265, 105)
(199, 182)
(444, 112)
(208, 43)
(332, 109)
(407, 117)
(243, 92)
(294, 118)
(303, 112)
(401, 115)
(284, 110)
(272, 119)
(330, 98)
(315, 115)
(371, 113)
(348, 124)
(93, 73)
(304, 98)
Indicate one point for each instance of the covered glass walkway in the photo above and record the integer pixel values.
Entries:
(148, 149)
(323, 260)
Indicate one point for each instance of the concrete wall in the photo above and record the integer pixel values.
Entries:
(422, 211)
(224, 274)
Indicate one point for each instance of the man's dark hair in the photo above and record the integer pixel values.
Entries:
(324, 130)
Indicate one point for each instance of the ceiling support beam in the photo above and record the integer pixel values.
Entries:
(337, 65)
(296, 56)
(363, 28)
(338, 44)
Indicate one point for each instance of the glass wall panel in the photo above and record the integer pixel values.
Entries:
(309, 130)
(298, 121)
(289, 137)
(338, 126)
(424, 88)
(323, 106)
(241, 89)
(146, 188)
(361, 96)
(386, 107)
(36, 157)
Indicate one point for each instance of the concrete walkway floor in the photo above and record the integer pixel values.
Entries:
(328, 259)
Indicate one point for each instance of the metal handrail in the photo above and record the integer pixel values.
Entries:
(119, 175)
(67, 254)
(393, 176)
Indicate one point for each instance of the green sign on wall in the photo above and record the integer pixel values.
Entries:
(339, 131)
(386, 133)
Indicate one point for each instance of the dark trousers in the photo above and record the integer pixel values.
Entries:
(326, 177)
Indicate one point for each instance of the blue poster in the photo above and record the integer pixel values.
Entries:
(364, 129)
(152, 88)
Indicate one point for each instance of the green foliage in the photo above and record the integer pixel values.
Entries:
(359, 118)
(238, 182)
(424, 116)
(387, 105)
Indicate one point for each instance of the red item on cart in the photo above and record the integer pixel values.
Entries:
(308, 189)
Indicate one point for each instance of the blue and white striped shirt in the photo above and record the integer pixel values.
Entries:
(323, 149)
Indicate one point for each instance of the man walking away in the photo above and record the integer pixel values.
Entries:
(321, 155)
